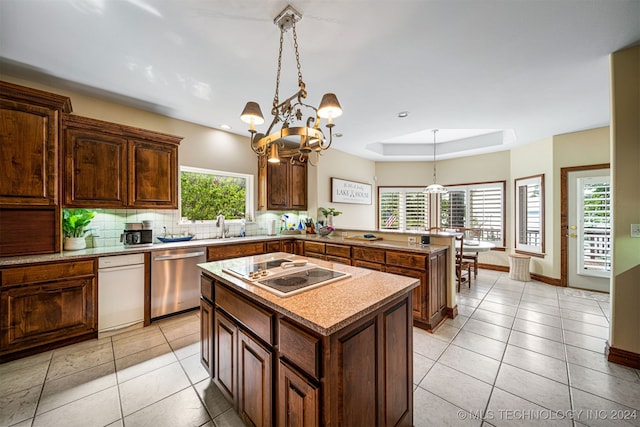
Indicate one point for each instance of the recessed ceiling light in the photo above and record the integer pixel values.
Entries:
(403, 114)
(225, 127)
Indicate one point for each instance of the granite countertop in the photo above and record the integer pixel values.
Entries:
(120, 249)
(328, 308)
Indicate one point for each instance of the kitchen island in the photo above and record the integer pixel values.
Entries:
(338, 354)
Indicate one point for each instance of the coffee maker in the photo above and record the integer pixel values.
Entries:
(135, 235)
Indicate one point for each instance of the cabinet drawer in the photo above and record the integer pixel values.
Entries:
(368, 254)
(338, 250)
(367, 264)
(406, 259)
(215, 253)
(339, 260)
(272, 246)
(206, 288)
(300, 348)
(314, 247)
(256, 319)
(48, 272)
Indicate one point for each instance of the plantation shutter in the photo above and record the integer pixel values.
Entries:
(486, 212)
(417, 215)
(403, 208)
(596, 226)
(389, 208)
(453, 209)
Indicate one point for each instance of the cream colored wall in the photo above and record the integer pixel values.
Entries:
(625, 167)
(338, 164)
(528, 160)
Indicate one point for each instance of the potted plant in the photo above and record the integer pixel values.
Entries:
(74, 222)
(329, 214)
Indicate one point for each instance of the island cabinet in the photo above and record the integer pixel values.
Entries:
(46, 306)
(277, 370)
(283, 185)
(116, 166)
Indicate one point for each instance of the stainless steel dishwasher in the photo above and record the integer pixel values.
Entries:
(175, 280)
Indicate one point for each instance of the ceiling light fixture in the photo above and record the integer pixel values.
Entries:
(403, 114)
(435, 188)
(297, 137)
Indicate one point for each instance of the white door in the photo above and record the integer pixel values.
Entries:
(589, 246)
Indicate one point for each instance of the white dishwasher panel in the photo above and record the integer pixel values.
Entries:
(120, 291)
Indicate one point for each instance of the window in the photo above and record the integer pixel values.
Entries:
(205, 193)
(403, 208)
(529, 214)
(476, 206)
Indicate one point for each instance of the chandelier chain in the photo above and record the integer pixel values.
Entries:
(276, 97)
(295, 46)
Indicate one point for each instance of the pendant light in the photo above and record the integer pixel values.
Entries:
(435, 188)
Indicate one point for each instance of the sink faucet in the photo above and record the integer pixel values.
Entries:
(220, 223)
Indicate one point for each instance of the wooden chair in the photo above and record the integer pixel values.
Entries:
(471, 256)
(462, 264)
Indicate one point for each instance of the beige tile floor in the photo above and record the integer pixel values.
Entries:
(518, 353)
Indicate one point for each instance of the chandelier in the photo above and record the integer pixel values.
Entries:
(435, 188)
(297, 137)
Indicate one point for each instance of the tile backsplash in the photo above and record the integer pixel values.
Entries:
(108, 224)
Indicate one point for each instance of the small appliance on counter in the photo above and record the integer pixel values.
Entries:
(135, 235)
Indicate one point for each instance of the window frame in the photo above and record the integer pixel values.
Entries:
(249, 196)
(523, 248)
(467, 187)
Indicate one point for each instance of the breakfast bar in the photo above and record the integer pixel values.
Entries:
(337, 353)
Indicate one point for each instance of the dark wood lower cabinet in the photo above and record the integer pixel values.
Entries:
(437, 297)
(254, 381)
(46, 306)
(225, 355)
(360, 375)
(206, 335)
(298, 399)
(372, 370)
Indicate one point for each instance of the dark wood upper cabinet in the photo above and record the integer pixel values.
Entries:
(111, 165)
(29, 133)
(95, 168)
(153, 174)
(282, 186)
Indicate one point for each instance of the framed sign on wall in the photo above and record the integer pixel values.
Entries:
(343, 191)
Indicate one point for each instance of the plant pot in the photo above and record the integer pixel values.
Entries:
(330, 220)
(74, 243)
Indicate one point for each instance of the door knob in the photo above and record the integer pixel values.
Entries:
(573, 235)
(573, 227)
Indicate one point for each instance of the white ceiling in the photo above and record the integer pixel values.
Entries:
(530, 68)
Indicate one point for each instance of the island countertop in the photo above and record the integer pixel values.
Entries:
(325, 309)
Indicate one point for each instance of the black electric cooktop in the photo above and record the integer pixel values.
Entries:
(303, 279)
(285, 282)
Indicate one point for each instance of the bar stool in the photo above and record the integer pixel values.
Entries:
(519, 267)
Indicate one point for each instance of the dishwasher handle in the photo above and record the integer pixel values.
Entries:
(178, 256)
